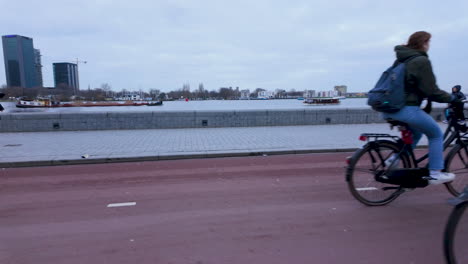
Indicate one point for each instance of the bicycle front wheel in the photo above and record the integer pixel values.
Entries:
(456, 236)
(364, 167)
(457, 163)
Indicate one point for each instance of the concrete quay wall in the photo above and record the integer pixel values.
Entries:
(35, 122)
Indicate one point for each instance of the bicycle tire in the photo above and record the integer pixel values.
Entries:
(364, 192)
(457, 162)
(452, 247)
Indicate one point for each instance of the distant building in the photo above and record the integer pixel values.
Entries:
(20, 61)
(244, 94)
(132, 96)
(309, 93)
(265, 95)
(66, 73)
(280, 93)
(341, 89)
(356, 95)
(38, 67)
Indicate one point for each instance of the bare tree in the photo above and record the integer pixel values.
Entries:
(201, 93)
(11, 91)
(31, 92)
(162, 96)
(186, 91)
(107, 88)
(228, 93)
(154, 93)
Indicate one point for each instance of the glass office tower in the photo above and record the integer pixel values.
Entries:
(66, 73)
(19, 57)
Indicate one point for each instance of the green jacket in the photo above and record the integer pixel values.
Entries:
(420, 80)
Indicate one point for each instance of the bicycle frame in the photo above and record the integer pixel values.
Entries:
(451, 134)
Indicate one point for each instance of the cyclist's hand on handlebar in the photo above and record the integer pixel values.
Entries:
(428, 107)
(455, 99)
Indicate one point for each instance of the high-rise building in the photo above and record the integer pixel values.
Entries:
(38, 67)
(309, 93)
(341, 89)
(66, 73)
(19, 57)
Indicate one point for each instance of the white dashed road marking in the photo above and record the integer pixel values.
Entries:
(121, 204)
(367, 189)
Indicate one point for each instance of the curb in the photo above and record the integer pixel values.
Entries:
(41, 163)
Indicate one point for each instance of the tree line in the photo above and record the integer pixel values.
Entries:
(105, 92)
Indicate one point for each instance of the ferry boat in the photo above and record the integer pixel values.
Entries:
(322, 101)
(38, 103)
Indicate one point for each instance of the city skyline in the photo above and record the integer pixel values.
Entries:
(297, 45)
(66, 73)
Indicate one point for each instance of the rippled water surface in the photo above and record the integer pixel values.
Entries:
(198, 106)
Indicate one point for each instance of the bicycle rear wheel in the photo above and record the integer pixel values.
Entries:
(457, 163)
(456, 236)
(365, 165)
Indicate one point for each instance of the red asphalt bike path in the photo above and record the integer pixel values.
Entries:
(273, 209)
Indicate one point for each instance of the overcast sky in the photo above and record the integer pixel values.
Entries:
(295, 44)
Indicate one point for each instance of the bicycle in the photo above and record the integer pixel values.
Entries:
(374, 183)
(456, 231)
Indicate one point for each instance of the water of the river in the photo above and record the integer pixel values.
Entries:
(214, 105)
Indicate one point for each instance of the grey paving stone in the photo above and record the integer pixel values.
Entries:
(66, 146)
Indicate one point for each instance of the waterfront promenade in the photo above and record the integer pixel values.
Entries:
(80, 147)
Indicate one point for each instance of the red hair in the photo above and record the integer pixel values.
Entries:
(418, 39)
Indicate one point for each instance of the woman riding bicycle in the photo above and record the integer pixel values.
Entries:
(420, 83)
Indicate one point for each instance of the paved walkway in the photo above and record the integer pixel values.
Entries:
(77, 147)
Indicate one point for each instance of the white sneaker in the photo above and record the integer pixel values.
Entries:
(445, 121)
(461, 122)
(438, 177)
(392, 162)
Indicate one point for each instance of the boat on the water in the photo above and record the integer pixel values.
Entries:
(38, 103)
(321, 101)
(155, 103)
(46, 102)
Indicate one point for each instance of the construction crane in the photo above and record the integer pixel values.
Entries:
(80, 61)
(78, 75)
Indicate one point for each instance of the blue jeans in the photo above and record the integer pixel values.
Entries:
(422, 123)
